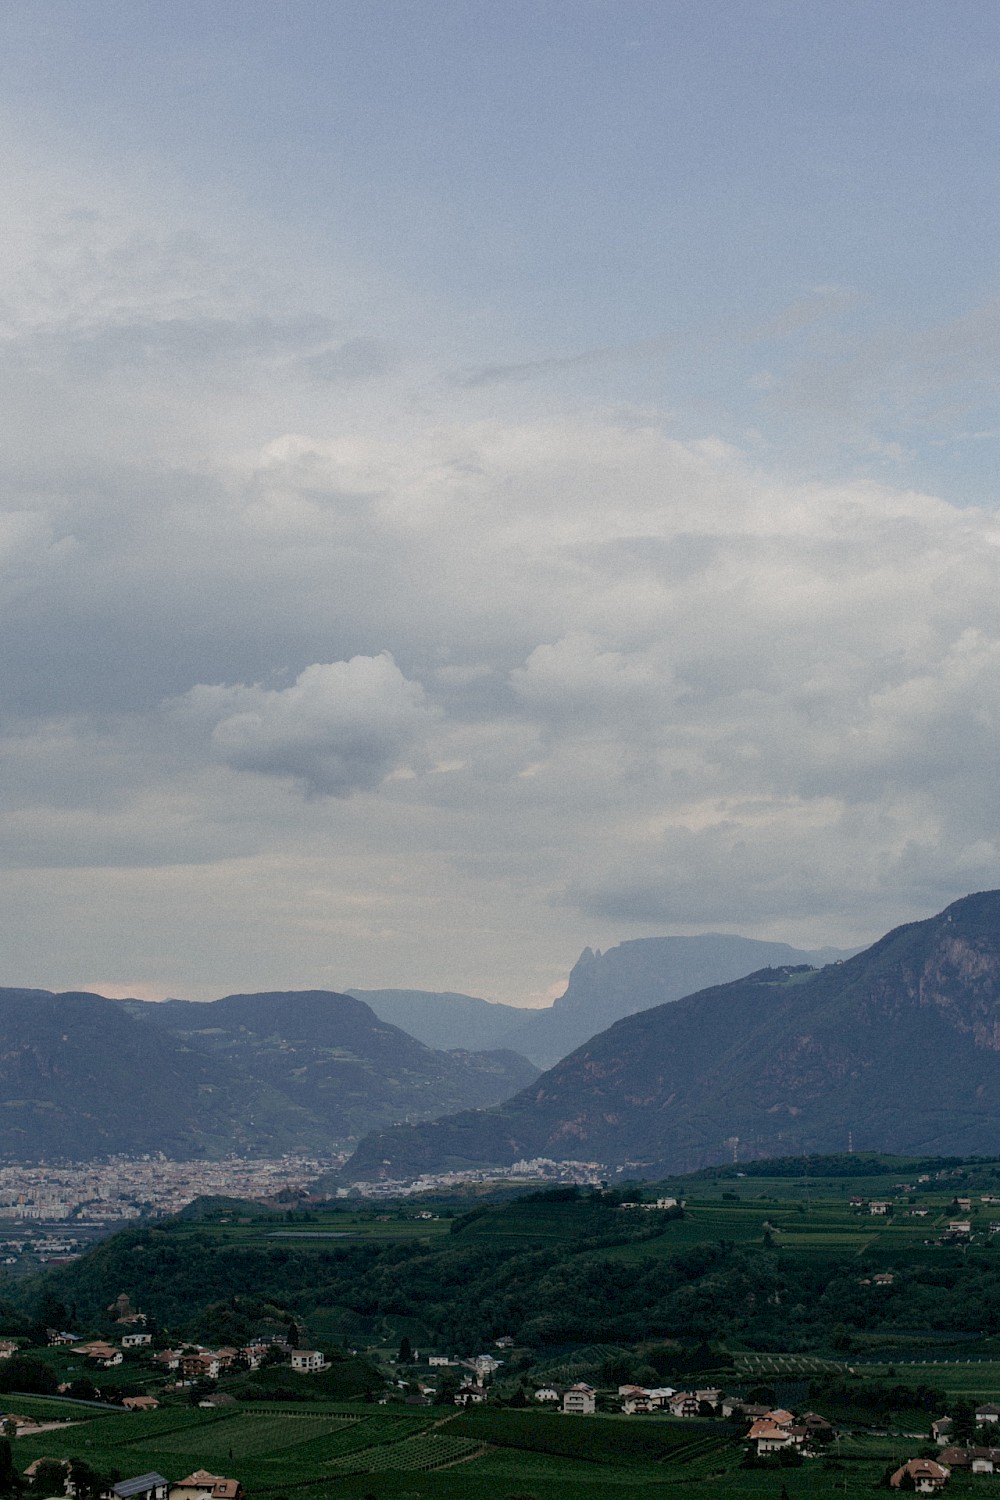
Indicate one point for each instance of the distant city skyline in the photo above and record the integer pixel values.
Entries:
(486, 479)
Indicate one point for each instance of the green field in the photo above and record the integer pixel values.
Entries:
(478, 1455)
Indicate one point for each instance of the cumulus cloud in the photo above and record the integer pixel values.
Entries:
(341, 727)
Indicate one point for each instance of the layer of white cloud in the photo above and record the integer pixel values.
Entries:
(423, 683)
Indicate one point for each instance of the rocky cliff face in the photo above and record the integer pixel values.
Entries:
(897, 1045)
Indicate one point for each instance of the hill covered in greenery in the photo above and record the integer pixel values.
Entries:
(81, 1075)
(783, 1264)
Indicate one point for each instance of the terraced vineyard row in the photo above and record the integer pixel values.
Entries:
(430, 1450)
(788, 1365)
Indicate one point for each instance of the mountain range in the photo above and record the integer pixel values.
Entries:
(83, 1076)
(895, 1049)
(602, 988)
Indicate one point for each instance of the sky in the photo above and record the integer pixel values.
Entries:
(482, 479)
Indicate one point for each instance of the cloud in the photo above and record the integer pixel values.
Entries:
(643, 681)
(340, 728)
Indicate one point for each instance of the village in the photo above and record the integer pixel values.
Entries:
(770, 1436)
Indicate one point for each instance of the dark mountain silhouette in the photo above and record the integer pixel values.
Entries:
(899, 1045)
(81, 1075)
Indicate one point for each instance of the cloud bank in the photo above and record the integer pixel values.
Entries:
(320, 668)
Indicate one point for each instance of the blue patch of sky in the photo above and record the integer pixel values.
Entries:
(756, 216)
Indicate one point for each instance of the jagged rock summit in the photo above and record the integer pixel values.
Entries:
(898, 1047)
(602, 988)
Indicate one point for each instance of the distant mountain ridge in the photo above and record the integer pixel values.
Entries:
(602, 988)
(83, 1076)
(899, 1045)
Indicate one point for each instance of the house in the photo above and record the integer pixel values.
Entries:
(735, 1406)
(883, 1278)
(202, 1365)
(33, 1468)
(580, 1399)
(485, 1364)
(504, 1343)
(817, 1428)
(659, 1395)
(150, 1486)
(308, 1361)
(684, 1404)
(101, 1353)
(634, 1406)
(927, 1475)
(960, 1226)
(988, 1413)
(768, 1437)
(140, 1403)
(169, 1359)
(136, 1340)
(204, 1486)
(54, 1337)
(941, 1430)
(877, 1206)
(976, 1460)
(549, 1393)
(469, 1395)
(438, 1359)
(7, 1348)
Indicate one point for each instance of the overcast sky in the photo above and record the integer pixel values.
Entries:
(484, 478)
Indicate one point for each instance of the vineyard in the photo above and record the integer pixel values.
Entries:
(426, 1450)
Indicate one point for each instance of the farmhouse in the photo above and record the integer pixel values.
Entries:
(201, 1485)
(927, 1476)
(101, 1353)
(976, 1460)
(770, 1437)
(469, 1395)
(580, 1399)
(308, 1361)
(989, 1412)
(684, 1404)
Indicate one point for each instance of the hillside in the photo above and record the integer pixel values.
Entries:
(602, 988)
(441, 1018)
(898, 1046)
(81, 1075)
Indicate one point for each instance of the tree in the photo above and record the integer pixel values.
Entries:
(49, 1477)
(292, 1334)
(405, 1351)
(10, 1480)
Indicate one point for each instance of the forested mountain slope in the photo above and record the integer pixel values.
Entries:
(81, 1075)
